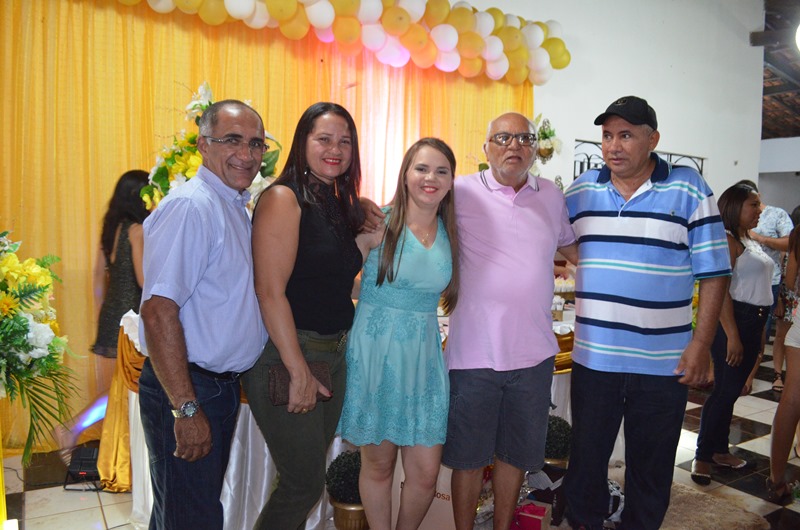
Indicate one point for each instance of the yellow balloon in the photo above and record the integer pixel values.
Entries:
(544, 28)
(189, 7)
(517, 76)
(554, 46)
(562, 61)
(462, 19)
(346, 8)
(471, 67)
(415, 38)
(346, 30)
(499, 19)
(470, 45)
(426, 57)
(213, 12)
(281, 10)
(296, 27)
(518, 58)
(388, 3)
(350, 50)
(512, 38)
(395, 21)
(436, 12)
(129, 2)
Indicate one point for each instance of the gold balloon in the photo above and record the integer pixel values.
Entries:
(517, 76)
(470, 45)
(544, 27)
(350, 50)
(562, 61)
(346, 30)
(296, 27)
(462, 19)
(346, 8)
(281, 10)
(388, 3)
(426, 57)
(130, 2)
(554, 46)
(415, 38)
(499, 19)
(189, 7)
(512, 38)
(471, 67)
(436, 12)
(395, 21)
(518, 58)
(213, 12)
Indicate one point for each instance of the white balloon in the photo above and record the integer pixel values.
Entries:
(462, 4)
(448, 61)
(401, 58)
(484, 23)
(445, 37)
(513, 21)
(390, 51)
(541, 77)
(240, 9)
(161, 6)
(415, 9)
(373, 36)
(555, 29)
(534, 35)
(324, 34)
(493, 49)
(497, 69)
(320, 14)
(539, 59)
(259, 18)
(370, 11)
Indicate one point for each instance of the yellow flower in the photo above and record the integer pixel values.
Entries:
(10, 269)
(36, 275)
(8, 304)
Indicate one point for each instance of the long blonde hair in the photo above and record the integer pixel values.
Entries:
(397, 221)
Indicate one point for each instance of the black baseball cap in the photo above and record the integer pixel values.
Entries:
(631, 109)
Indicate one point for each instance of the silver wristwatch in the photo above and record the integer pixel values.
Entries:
(187, 410)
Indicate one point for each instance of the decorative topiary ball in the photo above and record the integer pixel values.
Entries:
(558, 438)
(341, 480)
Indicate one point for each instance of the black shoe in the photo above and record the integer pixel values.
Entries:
(701, 472)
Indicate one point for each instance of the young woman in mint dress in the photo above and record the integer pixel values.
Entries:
(397, 384)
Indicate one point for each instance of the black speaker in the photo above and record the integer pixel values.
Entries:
(82, 467)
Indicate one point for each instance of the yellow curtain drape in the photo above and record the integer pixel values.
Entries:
(92, 88)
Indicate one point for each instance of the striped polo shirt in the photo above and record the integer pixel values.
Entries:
(638, 263)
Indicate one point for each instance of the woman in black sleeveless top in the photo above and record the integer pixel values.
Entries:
(305, 260)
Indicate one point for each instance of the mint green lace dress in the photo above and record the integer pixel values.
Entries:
(397, 383)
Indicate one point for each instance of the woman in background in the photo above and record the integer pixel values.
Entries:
(738, 340)
(117, 284)
(787, 414)
(397, 384)
(305, 259)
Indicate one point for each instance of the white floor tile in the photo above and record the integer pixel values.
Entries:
(681, 476)
(747, 405)
(12, 474)
(690, 405)
(107, 498)
(688, 440)
(117, 514)
(765, 417)
(683, 454)
(760, 386)
(745, 500)
(50, 501)
(90, 519)
(758, 445)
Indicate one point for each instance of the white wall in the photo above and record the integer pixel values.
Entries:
(691, 60)
(780, 189)
(780, 154)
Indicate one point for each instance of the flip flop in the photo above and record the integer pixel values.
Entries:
(777, 383)
(740, 465)
(700, 477)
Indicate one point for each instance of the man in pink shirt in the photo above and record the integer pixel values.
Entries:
(501, 346)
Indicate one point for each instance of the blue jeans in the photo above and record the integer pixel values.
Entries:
(653, 408)
(187, 494)
(715, 419)
(776, 289)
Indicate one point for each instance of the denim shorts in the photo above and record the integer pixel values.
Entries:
(498, 414)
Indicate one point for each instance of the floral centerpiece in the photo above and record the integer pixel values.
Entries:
(31, 350)
(548, 142)
(179, 162)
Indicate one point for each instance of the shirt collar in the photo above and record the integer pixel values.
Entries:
(660, 172)
(492, 183)
(226, 192)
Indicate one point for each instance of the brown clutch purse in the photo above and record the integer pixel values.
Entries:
(279, 381)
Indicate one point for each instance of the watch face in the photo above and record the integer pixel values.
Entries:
(189, 408)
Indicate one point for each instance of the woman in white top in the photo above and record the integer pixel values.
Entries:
(738, 340)
(787, 414)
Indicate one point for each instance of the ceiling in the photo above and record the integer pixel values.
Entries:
(781, 96)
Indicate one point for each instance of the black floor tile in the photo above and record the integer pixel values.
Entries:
(783, 519)
(743, 430)
(691, 423)
(15, 505)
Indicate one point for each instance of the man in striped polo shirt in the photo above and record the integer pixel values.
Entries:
(646, 231)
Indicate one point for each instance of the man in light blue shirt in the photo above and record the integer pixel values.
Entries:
(200, 320)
